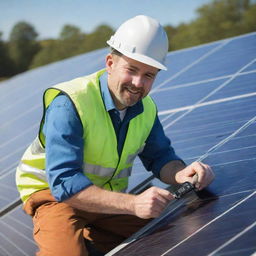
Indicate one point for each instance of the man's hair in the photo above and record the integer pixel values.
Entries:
(115, 52)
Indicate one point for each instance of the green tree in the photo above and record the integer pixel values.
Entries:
(23, 45)
(69, 32)
(186, 36)
(249, 20)
(221, 19)
(72, 42)
(97, 39)
(6, 65)
(171, 32)
(217, 20)
(49, 53)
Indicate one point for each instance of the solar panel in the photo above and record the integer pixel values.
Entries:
(206, 102)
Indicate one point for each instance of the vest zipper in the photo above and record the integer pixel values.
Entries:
(108, 182)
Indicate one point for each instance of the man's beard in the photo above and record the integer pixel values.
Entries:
(133, 93)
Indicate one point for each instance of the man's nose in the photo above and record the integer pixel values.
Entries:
(138, 81)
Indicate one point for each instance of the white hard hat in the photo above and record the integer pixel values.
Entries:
(142, 38)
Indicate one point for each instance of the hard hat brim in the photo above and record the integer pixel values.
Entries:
(141, 58)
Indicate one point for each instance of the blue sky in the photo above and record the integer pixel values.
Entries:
(49, 16)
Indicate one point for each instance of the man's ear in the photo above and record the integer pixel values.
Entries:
(109, 63)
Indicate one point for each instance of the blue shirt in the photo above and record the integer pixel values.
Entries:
(64, 143)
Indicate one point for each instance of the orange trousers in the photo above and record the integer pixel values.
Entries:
(60, 230)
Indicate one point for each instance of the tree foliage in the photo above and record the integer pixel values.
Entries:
(98, 38)
(23, 45)
(72, 42)
(6, 65)
(217, 20)
(69, 32)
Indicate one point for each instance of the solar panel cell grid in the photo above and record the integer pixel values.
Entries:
(252, 67)
(220, 79)
(9, 193)
(182, 97)
(189, 231)
(179, 61)
(243, 85)
(18, 234)
(227, 59)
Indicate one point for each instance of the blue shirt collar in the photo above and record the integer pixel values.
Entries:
(106, 96)
(108, 101)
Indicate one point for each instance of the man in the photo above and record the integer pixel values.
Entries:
(73, 177)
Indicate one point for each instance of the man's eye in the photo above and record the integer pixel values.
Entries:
(150, 76)
(131, 70)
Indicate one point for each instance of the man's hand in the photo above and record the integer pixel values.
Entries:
(204, 174)
(150, 203)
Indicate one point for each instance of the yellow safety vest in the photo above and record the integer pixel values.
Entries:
(102, 164)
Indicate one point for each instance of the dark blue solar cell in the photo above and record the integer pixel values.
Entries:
(177, 62)
(18, 238)
(188, 229)
(241, 86)
(251, 68)
(178, 97)
(227, 60)
(244, 244)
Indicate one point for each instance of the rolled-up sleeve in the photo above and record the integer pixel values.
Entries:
(158, 150)
(64, 149)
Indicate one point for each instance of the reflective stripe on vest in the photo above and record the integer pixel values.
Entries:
(106, 172)
(40, 174)
(88, 168)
